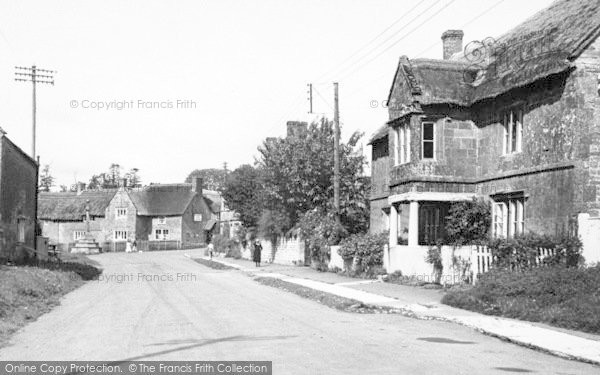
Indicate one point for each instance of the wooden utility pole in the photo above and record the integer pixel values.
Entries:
(336, 152)
(310, 99)
(34, 75)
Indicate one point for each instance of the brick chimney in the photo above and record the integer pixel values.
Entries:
(453, 42)
(197, 184)
(296, 128)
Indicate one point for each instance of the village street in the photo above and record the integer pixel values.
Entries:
(197, 313)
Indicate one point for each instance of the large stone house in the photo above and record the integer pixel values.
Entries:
(178, 213)
(18, 187)
(515, 121)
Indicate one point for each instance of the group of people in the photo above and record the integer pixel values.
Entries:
(131, 246)
(256, 251)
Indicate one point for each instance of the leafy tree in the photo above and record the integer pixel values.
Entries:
(213, 178)
(297, 176)
(242, 193)
(133, 179)
(46, 179)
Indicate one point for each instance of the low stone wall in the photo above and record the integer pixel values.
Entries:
(288, 250)
(410, 260)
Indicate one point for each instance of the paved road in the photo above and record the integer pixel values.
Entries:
(197, 313)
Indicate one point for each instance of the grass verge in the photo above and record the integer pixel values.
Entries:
(28, 292)
(213, 264)
(559, 296)
(327, 299)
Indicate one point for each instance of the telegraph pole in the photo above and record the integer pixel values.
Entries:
(310, 99)
(336, 153)
(34, 75)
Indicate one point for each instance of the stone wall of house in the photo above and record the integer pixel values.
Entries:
(113, 223)
(63, 233)
(18, 181)
(379, 218)
(172, 223)
(193, 231)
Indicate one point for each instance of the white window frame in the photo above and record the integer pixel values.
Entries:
(423, 140)
(397, 146)
(161, 220)
(120, 235)
(403, 151)
(78, 234)
(21, 230)
(508, 217)
(512, 121)
(161, 234)
(121, 212)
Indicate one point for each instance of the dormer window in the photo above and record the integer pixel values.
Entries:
(513, 131)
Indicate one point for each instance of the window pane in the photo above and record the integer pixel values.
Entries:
(428, 131)
(514, 132)
(428, 150)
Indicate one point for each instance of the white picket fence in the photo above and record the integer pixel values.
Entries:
(482, 259)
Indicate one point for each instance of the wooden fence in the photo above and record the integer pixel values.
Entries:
(482, 259)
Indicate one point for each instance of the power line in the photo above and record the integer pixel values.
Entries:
(371, 41)
(34, 75)
(399, 40)
(463, 26)
(379, 78)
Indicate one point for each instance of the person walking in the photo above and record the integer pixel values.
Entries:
(256, 253)
(134, 246)
(211, 249)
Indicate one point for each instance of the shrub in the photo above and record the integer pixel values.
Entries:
(521, 252)
(367, 249)
(434, 257)
(320, 230)
(563, 296)
(226, 245)
(468, 222)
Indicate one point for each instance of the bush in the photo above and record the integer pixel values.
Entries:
(562, 296)
(468, 222)
(367, 249)
(434, 257)
(521, 252)
(221, 243)
(320, 230)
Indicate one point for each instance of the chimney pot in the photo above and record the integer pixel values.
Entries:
(452, 42)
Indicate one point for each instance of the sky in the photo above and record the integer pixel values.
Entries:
(172, 86)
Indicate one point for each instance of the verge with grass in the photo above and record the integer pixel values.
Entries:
(559, 296)
(327, 299)
(28, 292)
(213, 264)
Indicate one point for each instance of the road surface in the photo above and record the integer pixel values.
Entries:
(164, 306)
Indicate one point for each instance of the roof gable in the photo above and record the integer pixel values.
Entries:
(165, 200)
(543, 45)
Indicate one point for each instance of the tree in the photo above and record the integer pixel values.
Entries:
(46, 179)
(297, 176)
(213, 178)
(133, 180)
(242, 193)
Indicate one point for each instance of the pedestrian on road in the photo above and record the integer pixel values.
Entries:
(134, 246)
(256, 253)
(211, 249)
(128, 246)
